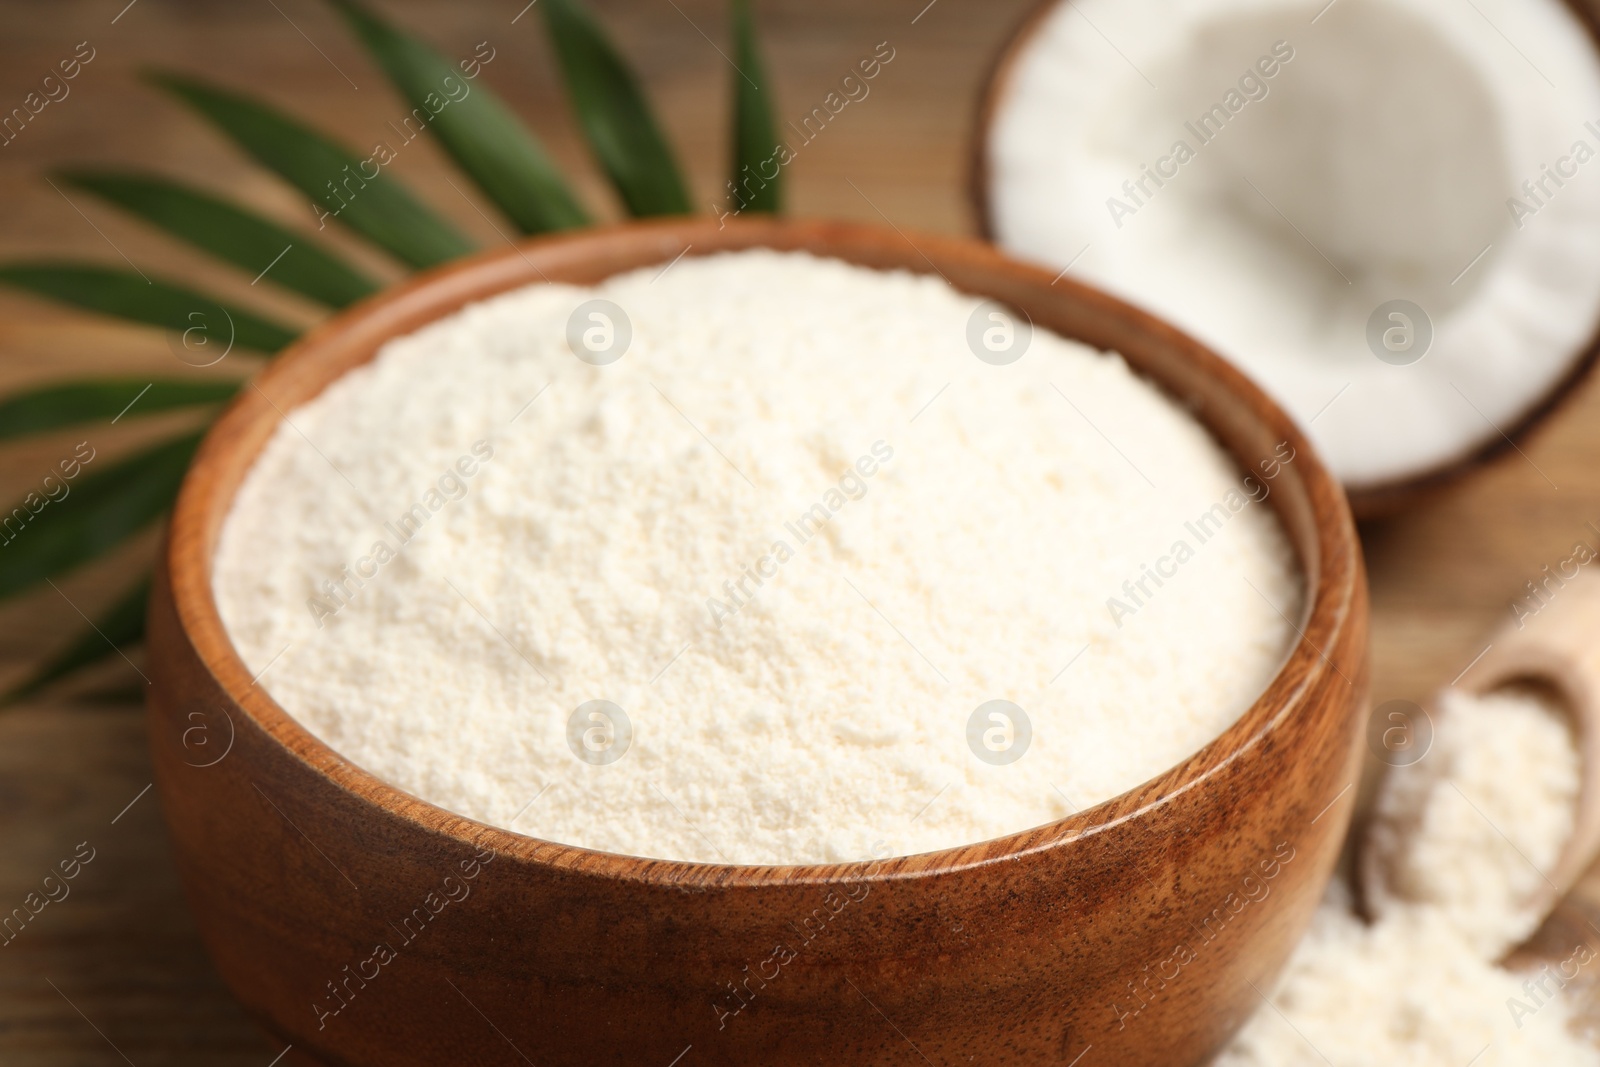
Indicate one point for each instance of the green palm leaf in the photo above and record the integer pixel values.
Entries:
(481, 134)
(372, 204)
(121, 625)
(54, 407)
(612, 110)
(229, 232)
(41, 538)
(151, 301)
(755, 136)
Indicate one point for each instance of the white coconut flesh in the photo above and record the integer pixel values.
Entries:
(1383, 159)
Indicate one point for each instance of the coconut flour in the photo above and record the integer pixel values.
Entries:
(1460, 841)
(744, 583)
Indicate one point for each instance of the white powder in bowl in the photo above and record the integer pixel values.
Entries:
(1461, 839)
(798, 533)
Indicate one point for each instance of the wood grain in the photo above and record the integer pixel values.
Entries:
(123, 947)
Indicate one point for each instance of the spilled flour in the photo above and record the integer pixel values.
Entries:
(1459, 840)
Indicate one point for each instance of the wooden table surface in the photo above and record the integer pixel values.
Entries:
(115, 973)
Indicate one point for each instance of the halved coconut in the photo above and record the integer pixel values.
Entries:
(1386, 211)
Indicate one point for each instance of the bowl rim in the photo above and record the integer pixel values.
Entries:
(1333, 580)
(1372, 500)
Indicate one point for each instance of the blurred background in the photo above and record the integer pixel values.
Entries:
(115, 973)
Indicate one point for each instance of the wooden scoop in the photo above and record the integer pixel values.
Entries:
(1557, 648)
(1560, 648)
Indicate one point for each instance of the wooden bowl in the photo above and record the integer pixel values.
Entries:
(1377, 500)
(353, 920)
